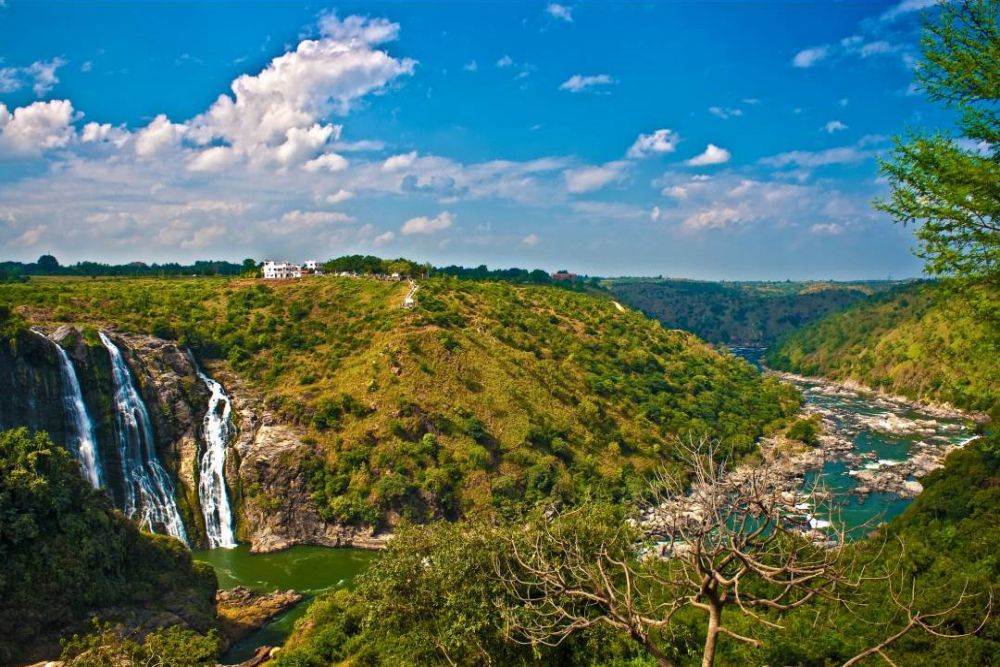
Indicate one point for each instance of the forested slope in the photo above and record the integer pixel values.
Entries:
(752, 314)
(66, 554)
(485, 395)
(916, 341)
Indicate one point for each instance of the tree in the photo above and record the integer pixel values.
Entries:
(47, 263)
(249, 267)
(729, 550)
(951, 187)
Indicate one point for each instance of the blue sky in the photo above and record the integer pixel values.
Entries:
(713, 140)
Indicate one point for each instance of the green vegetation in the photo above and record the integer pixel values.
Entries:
(948, 189)
(484, 396)
(66, 552)
(173, 646)
(752, 314)
(433, 598)
(916, 341)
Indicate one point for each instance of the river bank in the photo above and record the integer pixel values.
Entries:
(871, 453)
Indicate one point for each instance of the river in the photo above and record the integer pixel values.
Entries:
(881, 445)
(308, 570)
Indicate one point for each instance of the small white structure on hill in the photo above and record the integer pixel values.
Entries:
(285, 270)
(281, 270)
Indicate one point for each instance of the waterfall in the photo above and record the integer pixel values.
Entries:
(147, 487)
(80, 434)
(217, 429)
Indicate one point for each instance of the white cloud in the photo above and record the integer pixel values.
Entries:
(470, 66)
(579, 83)
(531, 240)
(725, 113)
(38, 127)
(809, 57)
(660, 141)
(505, 61)
(810, 159)
(275, 115)
(561, 12)
(827, 228)
(383, 238)
(588, 179)
(906, 7)
(216, 158)
(327, 162)
(301, 219)
(96, 133)
(339, 197)
(712, 155)
(654, 214)
(834, 126)
(87, 66)
(41, 75)
(425, 225)
(158, 136)
(398, 162)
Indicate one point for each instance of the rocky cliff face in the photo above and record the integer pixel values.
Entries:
(276, 506)
(268, 488)
(30, 386)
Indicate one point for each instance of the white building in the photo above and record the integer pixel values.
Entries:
(281, 270)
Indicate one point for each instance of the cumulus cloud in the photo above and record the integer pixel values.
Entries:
(38, 127)
(158, 136)
(470, 66)
(588, 179)
(531, 240)
(808, 57)
(579, 83)
(303, 219)
(712, 155)
(399, 162)
(660, 141)
(327, 162)
(40, 75)
(834, 126)
(561, 12)
(425, 225)
(505, 61)
(276, 115)
(339, 197)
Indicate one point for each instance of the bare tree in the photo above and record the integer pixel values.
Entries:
(731, 543)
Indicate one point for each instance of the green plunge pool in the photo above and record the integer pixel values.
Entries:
(308, 570)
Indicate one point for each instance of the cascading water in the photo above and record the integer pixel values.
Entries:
(81, 440)
(147, 487)
(217, 428)
(82, 430)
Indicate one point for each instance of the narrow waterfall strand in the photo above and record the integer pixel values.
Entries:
(82, 430)
(217, 430)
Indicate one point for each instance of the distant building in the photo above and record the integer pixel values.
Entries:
(563, 275)
(281, 270)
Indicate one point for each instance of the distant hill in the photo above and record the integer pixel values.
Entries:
(911, 340)
(739, 313)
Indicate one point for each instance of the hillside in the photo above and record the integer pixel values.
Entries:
(912, 341)
(485, 395)
(68, 555)
(734, 313)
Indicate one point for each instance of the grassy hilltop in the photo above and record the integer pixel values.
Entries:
(486, 395)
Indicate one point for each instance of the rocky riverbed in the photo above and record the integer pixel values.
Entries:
(872, 452)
